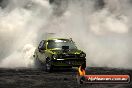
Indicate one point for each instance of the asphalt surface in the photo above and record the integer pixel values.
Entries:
(34, 78)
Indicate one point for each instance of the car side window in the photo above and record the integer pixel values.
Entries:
(42, 45)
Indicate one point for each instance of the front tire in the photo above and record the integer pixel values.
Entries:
(48, 65)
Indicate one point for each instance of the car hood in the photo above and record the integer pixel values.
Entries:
(70, 51)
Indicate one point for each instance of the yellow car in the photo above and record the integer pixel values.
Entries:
(58, 52)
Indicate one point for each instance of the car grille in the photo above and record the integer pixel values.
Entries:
(68, 56)
(70, 62)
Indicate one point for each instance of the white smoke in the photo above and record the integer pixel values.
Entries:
(103, 33)
(20, 22)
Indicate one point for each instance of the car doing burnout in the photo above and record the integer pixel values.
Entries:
(58, 52)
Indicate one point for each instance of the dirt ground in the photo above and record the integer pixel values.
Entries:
(34, 78)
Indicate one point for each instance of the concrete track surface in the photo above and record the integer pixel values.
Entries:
(66, 78)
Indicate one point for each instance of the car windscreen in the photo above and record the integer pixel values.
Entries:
(57, 44)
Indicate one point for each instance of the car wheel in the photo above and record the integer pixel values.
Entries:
(49, 67)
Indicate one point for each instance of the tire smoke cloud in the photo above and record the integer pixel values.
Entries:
(102, 28)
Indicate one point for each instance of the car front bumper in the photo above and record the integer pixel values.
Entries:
(68, 62)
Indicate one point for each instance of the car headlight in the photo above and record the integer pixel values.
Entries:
(82, 55)
(55, 56)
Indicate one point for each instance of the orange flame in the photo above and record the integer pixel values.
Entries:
(81, 71)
